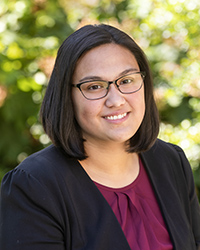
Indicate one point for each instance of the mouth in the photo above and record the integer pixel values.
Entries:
(116, 117)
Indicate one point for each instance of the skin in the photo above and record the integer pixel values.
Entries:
(108, 162)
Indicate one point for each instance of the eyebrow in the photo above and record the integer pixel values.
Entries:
(92, 78)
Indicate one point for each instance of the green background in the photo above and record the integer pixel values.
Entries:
(31, 31)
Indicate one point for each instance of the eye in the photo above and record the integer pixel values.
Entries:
(94, 86)
(127, 81)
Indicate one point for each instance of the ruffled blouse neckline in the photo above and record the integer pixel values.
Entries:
(138, 213)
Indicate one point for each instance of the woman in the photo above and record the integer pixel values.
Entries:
(107, 182)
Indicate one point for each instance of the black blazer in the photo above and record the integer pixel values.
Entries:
(49, 203)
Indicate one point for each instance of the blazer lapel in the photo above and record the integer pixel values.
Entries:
(98, 224)
(160, 171)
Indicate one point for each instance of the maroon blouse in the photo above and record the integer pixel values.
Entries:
(138, 213)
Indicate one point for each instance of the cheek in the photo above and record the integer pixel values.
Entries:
(138, 101)
(78, 105)
(85, 112)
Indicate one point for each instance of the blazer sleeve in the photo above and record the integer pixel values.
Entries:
(194, 203)
(29, 218)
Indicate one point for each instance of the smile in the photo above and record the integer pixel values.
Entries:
(116, 117)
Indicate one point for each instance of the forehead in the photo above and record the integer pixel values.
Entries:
(107, 60)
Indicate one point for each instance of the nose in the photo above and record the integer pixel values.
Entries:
(114, 97)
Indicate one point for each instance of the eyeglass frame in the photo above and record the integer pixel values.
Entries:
(142, 73)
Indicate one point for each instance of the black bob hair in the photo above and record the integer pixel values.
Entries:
(57, 111)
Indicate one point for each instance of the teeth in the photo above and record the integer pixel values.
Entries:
(115, 117)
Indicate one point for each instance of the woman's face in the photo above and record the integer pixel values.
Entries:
(117, 116)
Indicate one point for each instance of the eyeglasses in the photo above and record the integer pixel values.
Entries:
(97, 89)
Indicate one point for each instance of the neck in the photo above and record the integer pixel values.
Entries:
(111, 165)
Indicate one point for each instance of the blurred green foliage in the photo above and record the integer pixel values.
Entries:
(31, 32)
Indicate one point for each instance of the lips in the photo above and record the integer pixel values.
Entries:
(115, 117)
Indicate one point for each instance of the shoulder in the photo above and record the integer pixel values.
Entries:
(161, 145)
(47, 175)
(51, 154)
(46, 161)
(169, 158)
(165, 149)
(50, 167)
